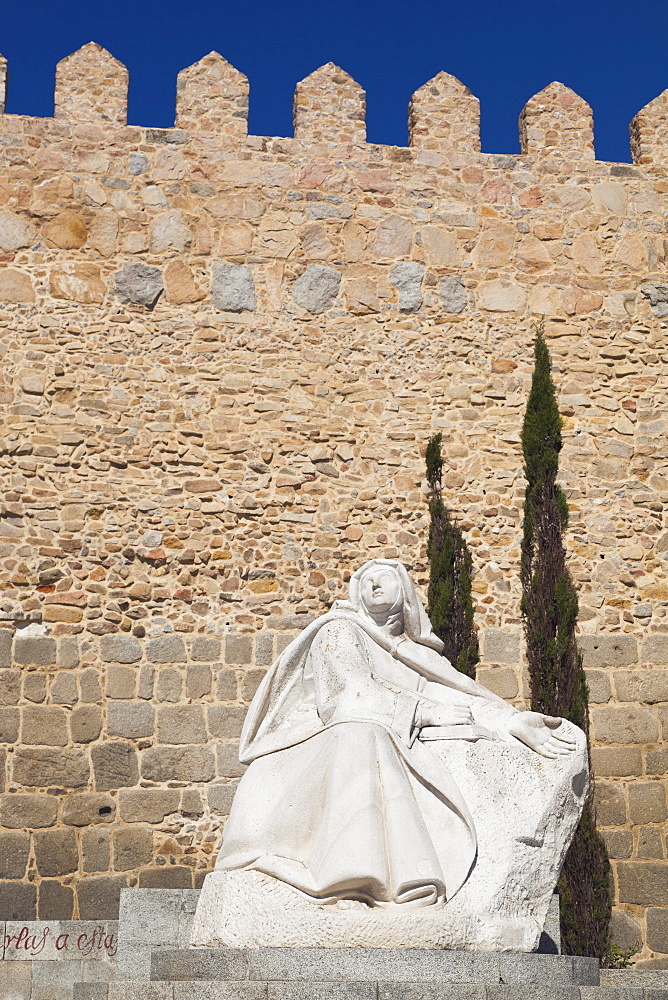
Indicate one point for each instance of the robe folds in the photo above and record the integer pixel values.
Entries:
(342, 800)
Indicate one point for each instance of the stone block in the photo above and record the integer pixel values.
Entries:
(114, 766)
(630, 724)
(227, 685)
(169, 231)
(55, 901)
(647, 802)
(500, 647)
(321, 991)
(34, 687)
(501, 680)
(146, 682)
(205, 648)
(139, 284)
(170, 682)
(15, 232)
(86, 723)
(89, 991)
(264, 649)
(44, 725)
(610, 804)
(181, 724)
(251, 681)
(68, 652)
(227, 757)
(238, 649)
(18, 901)
(198, 680)
(133, 847)
(10, 687)
(625, 931)
(220, 964)
(35, 650)
(317, 288)
(44, 768)
(6, 641)
(191, 802)
(56, 852)
(9, 725)
(99, 896)
(178, 763)
(89, 684)
(120, 649)
(618, 842)
(600, 687)
(225, 721)
(454, 297)
(131, 719)
(64, 688)
(14, 854)
(650, 843)
(617, 762)
(167, 877)
(166, 649)
(643, 883)
(431, 991)
(656, 761)
(140, 991)
(245, 990)
(406, 276)
(654, 650)
(31, 812)
(121, 682)
(15, 980)
(232, 287)
(147, 805)
(657, 929)
(643, 685)
(88, 809)
(608, 650)
(220, 798)
(95, 850)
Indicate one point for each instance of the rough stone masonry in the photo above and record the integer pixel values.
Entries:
(222, 358)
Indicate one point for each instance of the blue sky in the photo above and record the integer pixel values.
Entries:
(612, 52)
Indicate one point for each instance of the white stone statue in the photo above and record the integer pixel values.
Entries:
(390, 800)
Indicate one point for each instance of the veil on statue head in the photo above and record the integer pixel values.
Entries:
(416, 623)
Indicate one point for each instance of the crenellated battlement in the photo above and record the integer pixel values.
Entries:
(329, 107)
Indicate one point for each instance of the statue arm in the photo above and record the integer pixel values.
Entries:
(347, 690)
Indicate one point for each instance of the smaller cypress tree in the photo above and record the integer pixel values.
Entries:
(450, 571)
(558, 682)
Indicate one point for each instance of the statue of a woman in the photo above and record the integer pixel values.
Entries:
(350, 798)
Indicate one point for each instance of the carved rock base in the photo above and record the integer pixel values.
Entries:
(525, 810)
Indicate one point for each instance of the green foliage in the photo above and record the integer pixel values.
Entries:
(620, 958)
(450, 572)
(558, 683)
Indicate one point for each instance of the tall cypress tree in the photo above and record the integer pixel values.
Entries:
(450, 572)
(558, 683)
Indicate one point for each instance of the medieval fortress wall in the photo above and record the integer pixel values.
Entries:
(222, 356)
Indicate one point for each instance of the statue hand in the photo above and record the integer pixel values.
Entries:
(431, 714)
(542, 734)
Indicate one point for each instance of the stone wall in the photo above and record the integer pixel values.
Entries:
(222, 358)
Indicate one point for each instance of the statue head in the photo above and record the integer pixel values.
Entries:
(383, 590)
(380, 590)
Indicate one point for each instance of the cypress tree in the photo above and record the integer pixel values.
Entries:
(558, 683)
(450, 571)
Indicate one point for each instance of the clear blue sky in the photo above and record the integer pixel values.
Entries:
(612, 52)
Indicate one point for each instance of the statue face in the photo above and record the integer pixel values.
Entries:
(380, 589)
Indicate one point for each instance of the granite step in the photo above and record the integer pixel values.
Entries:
(378, 965)
(362, 990)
